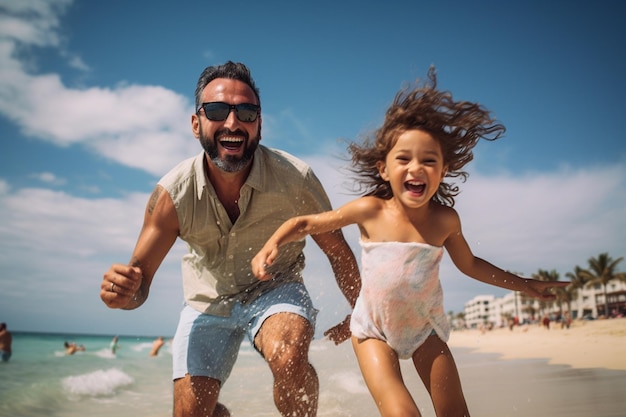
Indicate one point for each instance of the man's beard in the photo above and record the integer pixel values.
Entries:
(231, 163)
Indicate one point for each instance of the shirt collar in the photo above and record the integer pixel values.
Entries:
(254, 180)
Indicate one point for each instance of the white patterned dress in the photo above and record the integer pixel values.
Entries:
(401, 300)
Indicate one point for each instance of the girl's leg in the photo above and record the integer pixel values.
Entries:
(435, 365)
(381, 371)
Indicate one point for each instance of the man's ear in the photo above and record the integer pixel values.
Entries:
(195, 125)
(382, 170)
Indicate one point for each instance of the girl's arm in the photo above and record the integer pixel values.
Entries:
(479, 269)
(297, 228)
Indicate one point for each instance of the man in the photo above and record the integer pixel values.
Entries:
(224, 204)
(6, 339)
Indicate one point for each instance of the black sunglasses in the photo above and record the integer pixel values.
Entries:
(219, 111)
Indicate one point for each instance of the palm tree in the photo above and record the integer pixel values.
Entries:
(577, 282)
(602, 271)
(550, 276)
(565, 295)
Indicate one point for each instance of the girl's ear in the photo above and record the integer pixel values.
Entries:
(382, 170)
(444, 172)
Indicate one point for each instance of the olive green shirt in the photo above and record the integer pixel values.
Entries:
(216, 272)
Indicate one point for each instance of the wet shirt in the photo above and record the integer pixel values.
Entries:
(401, 300)
(216, 271)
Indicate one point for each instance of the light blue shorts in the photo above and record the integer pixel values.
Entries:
(207, 345)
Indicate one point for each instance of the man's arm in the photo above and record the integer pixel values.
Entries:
(346, 270)
(127, 286)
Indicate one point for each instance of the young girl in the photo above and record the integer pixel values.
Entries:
(406, 219)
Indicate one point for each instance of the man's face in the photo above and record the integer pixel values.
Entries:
(229, 143)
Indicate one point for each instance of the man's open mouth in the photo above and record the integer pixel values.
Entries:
(232, 144)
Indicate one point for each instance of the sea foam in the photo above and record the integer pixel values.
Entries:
(97, 383)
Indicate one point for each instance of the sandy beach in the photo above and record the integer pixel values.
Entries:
(586, 344)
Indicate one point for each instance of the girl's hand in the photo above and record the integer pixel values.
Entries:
(262, 260)
(541, 289)
(340, 332)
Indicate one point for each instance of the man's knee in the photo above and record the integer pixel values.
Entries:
(194, 395)
(284, 340)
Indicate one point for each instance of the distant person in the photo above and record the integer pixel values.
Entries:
(6, 340)
(156, 346)
(71, 348)
(406, 220)
(567, 321)
(224, 203)
(114, 345)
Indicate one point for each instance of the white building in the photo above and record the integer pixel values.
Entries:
(590, 300)
(479, 310)
(488, 310)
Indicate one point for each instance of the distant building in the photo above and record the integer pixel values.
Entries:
(479, 310)
(590, 300)
(486, 310)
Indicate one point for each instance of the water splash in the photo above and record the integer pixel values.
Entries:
(96, 384)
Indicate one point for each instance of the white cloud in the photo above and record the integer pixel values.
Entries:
(49, 178)
(121, 123)
(548, 220)
(54, 249)
(4, 187)
(32, 22)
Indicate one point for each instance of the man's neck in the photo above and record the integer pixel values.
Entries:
(227, 186)
(226, 181)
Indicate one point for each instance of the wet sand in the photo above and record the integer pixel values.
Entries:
(580, 372)
(532, 371)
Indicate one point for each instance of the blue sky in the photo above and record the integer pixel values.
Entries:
(96, 100)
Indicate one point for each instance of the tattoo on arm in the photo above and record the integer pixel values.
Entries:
(154, 198)
(135, 262)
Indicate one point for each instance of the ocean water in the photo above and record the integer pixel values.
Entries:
(40, 380)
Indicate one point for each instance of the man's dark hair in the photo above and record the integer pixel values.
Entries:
(232, 70)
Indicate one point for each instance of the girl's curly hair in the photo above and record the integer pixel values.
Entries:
(456, 125)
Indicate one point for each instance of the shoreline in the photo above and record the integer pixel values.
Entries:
(586, 344)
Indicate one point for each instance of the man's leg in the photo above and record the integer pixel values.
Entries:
(196, 396)
(284, 340)
(204, 351)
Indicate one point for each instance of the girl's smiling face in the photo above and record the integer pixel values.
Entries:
(414, 168)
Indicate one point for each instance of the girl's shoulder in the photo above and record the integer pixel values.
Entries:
(361, 209)
(444, 215)
(367, 203)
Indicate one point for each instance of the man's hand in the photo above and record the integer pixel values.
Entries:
(120, 286)
(340, 332)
